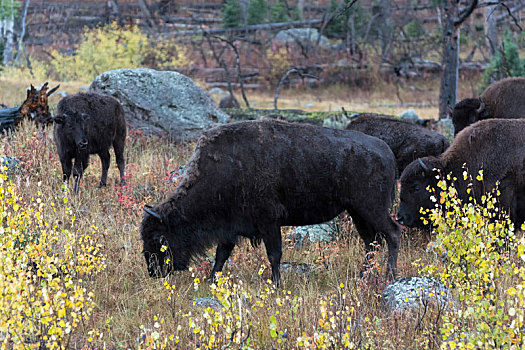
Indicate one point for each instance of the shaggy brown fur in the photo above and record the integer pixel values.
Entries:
(89, 123)
(503, 99)
(496, 145)
(408, 141)
(250, 178)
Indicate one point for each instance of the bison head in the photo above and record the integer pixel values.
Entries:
(74, 125)
(466, 112)
(415, 180)
(163, 250)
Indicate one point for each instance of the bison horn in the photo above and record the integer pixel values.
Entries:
(151, 212)
(50, 92)
(481, 106)
(423, 165)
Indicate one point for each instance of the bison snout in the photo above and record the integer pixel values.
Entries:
(82, 144)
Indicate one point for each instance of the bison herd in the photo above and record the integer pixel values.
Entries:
(247, 179)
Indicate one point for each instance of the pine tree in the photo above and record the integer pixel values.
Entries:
(257, 12)
(231, 14)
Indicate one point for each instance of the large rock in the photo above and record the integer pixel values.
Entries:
(414, 293)
(301, 35)
(161, 102)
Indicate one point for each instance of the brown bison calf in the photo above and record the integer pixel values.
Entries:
(89, 123)
(503, 99)
(250, 178)
(408, 141)
(495, 145)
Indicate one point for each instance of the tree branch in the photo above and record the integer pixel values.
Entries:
(283, 79)
(512, 16)
(463, 15)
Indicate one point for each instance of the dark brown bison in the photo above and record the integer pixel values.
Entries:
(503, 99)
(496, 145)
(229, 102)
(89, 123)
(408, 141)
(250, 178)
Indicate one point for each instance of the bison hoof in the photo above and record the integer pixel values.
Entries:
(100, 185)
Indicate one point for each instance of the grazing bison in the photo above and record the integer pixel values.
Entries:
(85, 124)
(494, 145)
(503, 99)
(250, 178)
(408, 141)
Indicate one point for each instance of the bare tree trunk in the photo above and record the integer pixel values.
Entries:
(23, 33)
(147, 13)
(300, 8)
(384, 10)
(491, 29)
(8, 34)
(452, 18)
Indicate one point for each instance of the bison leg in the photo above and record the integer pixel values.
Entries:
(372, 229)
(81, 163)
(105, 160)
(273, 244)
(77, 175)
(119, 155)
(67, 165)
(224, 250)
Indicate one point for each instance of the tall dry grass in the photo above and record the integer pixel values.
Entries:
(127, 300)
(329, 306)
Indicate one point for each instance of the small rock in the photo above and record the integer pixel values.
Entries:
(409, 114)
(11, 163)
(218, 91)
(325, 232)
(301, 35)
(299, 268)
(308, 105)
(204, 302)
(412, 293)
(446, 128)
(176, 174)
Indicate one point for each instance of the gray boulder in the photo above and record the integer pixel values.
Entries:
(205, 302)
(161, 102)
(413, 293)
(409, 114)
(301, 35)
(325, 232)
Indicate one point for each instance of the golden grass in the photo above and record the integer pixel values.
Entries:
(127, 298)
(128, 301)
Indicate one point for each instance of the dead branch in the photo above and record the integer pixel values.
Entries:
(283, 79)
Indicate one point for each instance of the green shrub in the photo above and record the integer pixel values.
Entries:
(257, 12)
(414, 29)
(280, 12)
(339, 24)
(43, 298)
(113, 47)
(482, 262)
(231, 14)
(506, 62)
